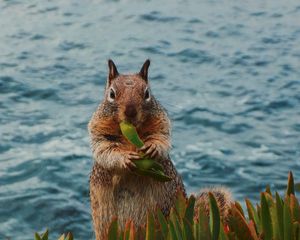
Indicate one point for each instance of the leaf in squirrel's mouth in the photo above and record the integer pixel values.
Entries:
(132, 121)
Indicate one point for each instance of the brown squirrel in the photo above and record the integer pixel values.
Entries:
(114, 189)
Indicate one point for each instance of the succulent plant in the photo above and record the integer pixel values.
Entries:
(44, 236)
(274, 218)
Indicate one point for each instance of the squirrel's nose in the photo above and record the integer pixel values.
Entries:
(130, 111)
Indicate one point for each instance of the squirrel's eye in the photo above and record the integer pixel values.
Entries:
(112, 95)
(147, 95)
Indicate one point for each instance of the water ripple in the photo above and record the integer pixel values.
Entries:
(158, 17)
(228, 73)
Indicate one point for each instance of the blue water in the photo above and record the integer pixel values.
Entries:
(227, 71)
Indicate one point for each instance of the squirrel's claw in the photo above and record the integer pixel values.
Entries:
(128, 159)
(134, 156)
(150, 150)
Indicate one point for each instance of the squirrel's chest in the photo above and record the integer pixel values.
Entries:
(133, 188)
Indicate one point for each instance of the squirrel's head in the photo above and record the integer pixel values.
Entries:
(128, 94)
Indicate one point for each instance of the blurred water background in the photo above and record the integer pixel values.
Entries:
(227, 71)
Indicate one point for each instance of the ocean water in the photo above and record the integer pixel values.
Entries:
(228, 72)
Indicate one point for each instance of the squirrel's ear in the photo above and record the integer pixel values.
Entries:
(113, 71)
(144, 70)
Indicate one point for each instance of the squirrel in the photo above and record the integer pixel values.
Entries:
(114, 190)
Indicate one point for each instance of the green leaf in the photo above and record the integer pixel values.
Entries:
(287, 221)
(252, 230)
(130, 133)
(163, 223)
(145, 166)
(62, 237)
(295, 211)
(180, 204)
(290, 186)
(258, 210)
(145, 163)
(196, 230)
(154, 173)
(113, 229)
(214, 218)
(296, 230)
(266, 218)
(132, 232)
(268, 189)
(45, 235)
(173, 234)
(222, 235)
(203, 222)
(187, 230)
(178, 229)
(150, 228)
(232, 236)
(252, 214)
(189, 211)
(238, 224)
(273, 213)
(126, 230)
(37, 236)
(239, 207)
(69, 236)
(279, 213)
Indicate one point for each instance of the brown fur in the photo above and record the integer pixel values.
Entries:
(114, 189)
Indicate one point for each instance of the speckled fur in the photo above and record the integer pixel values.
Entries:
(223, 197)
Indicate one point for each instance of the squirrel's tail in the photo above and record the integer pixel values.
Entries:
(223, 197)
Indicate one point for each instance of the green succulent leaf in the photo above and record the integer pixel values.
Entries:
(294, 206)
(252, 214)
(279, 213)
(238, 224)
(62, 237)
(69, 236)
(113, 230)
(290, 186)
(163, 223)
(132, 232)
(266, 218)
(45, 235)
(203, 222)
(180, 204)
(222, 235)
(150, 229)
(37, 236)
(187, 230)
(239, 207)
(214, 217)
(287, 222)
(189, 211)
(173, 235)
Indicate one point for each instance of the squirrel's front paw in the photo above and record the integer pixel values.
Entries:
(127, 160)
(152, 150)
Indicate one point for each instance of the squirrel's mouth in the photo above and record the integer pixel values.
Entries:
(131, 115)
(132, 121)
